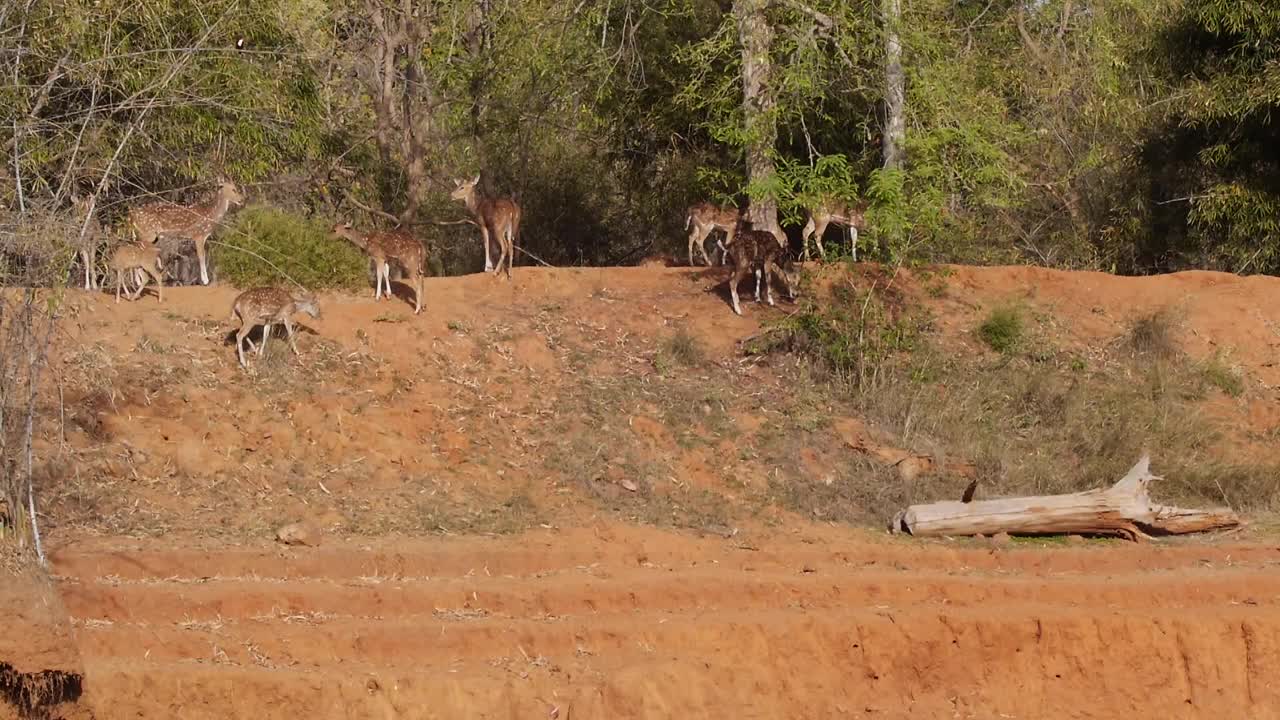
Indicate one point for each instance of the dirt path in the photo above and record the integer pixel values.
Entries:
(629, 623)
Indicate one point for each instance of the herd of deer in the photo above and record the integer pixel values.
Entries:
(499, 222)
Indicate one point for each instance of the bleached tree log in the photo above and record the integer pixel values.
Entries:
(1124, 509)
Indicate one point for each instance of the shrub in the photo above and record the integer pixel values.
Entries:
(270, 246)
(1002, 330)
(1153, 335)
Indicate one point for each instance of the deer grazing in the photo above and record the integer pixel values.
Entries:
(145, 261)
(88, 239)
(385, 246)
(704, 218)
(498, 218)
(759, 251)
(828, 211)
(193, 222)
(268, 306)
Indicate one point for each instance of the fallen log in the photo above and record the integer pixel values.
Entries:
(1124, 509)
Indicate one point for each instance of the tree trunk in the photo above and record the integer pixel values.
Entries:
(895, 91)
(1123, 509)
(759, 110)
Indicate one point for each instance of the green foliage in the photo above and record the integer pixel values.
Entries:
(1003, 329)
(1221, 376)
(268, 246)
(1211, 150)
(853, 335)
(1133, 135)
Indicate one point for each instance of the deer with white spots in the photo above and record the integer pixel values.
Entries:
(704, 218)
(385, 246)
(194, 222)
(758, 251)
(142, 261)
(88, 239)
(828, 211)
(268, 306)
(498, 218)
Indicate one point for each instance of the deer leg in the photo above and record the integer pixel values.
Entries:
(805, 236)
(204, 263)
(757, 272)
(766, 269)
(853, 241)
(288, 329)
(142, 284)
(504, 241)
(738, 273)
(509, 247)
(240, 340)
(702, 246)
(417, 293)
(773, 268)
(159, 276)
(818, 231)
(484, 235)
(266, 333)
(119, 284)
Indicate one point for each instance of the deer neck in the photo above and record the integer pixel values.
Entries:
(216, 207)
(475, 203)
(355, 238)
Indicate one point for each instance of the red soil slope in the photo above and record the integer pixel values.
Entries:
(178, 466)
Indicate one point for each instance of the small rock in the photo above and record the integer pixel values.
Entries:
(629, 485)
(372, 685)
(1000, 539)
(298, 534)
(1075, 540)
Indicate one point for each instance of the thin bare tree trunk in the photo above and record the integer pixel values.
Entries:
(759, 109)
(895, 91)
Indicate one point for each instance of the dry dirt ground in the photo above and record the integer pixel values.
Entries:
(538, 499)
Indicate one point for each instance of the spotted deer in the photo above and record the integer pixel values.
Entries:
(268, 306)
(88, 239)
(498, 218)
(704, 218)
(758, 251)
(828, 211)
(385, 246)
(194, 222)
(142, 258)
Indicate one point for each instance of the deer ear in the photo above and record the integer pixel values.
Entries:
(476, 181)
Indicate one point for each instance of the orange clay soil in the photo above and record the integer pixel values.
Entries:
(527, 509)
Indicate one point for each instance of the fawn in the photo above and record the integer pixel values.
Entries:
(704, 218)
(759, 251)
(387, 245)
(86, 244)
(828, 211)
(268, 306)
(131, 258)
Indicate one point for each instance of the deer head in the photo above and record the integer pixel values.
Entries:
(308, 304)
(228, 191)
(465, 189)
(344, 230)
